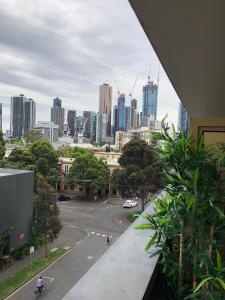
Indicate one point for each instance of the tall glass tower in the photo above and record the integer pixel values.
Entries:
(121, 112)
(183, 119)
(150, 95)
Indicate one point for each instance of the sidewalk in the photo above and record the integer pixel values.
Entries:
(68, 237)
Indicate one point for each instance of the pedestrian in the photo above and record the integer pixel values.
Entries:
(107, 239)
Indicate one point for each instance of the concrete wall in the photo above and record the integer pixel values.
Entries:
(16, 205)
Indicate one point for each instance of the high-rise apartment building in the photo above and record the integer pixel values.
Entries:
(57, 115)
(94, 127)
(57, 102)
(115, 119)
(71, 116)
(101, 127)
(127, 117)
(133, 111)
(87, 117)
(0, 116)
(121, 112)
(78, 125)
(29, 115)
(183, 119)
(105, 104)
(150, 95)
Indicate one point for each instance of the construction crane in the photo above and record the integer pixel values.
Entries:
(131, 92)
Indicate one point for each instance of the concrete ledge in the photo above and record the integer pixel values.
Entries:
(123, 272)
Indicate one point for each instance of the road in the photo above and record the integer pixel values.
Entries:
(91, 221)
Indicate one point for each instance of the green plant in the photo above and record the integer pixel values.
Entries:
(189, 219)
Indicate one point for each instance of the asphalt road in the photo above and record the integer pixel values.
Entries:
(92, 221)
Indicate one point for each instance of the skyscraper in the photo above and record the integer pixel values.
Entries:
(127, 117)
(94, 127)
(57, 102)
(0, 116)
(105, 104)
(57, 115)
(101, 127)
(121, 112)
(149, 106)
(71, 116)
(133, 107)
(29, 115)
(115, 119)
(183, 119)
(17, 116)
(87, 117)
(78, 125)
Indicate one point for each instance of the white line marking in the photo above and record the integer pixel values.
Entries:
(93, 232)
(89, 257)
(103, 235)
(97, 233)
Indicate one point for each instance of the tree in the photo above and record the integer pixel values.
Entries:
(89, 172)
(46, 220)
(140, 171)
(2, 146)
(33, 136)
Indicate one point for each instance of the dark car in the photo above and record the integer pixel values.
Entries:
(63, 198)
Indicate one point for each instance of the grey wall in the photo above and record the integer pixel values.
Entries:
(16, 205)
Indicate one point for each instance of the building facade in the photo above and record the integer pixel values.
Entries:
(150, 100)
(105, 104)
(133, 111)
(49, 130)
(115, 119)
(0, 116)
(127, 117)
(57, 102)
(29, 115)
(71, 116)
(16, 211)
(121, 112)
(57, 117)
(87, 118)
(183, 119)
(101, 127)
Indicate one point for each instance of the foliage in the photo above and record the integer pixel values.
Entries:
(16, 141)
(2, 146)
(140, 169)
(189, 220)
(21, 276)
(33, 135)
(46, 213)
(3, 242)
(89, 172)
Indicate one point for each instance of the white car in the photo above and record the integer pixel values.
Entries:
(130, 203)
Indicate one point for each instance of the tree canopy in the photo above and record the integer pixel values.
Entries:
(33, 136)
(2, 146)
(89, 172)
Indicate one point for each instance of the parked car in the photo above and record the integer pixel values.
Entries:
(130, 203)
(63, 198)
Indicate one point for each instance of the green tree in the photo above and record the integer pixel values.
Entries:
(2, 146)
(33, 136)
(89, 172)
(46, 220)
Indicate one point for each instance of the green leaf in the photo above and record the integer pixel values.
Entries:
(195, 179)
(202, 283)
(149, 244)
(190, 201)
(145, 227)
(218, 261)
(221, 282)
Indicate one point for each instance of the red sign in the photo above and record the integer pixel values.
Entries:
(21, 236)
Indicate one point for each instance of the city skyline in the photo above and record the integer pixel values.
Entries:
(32, 63)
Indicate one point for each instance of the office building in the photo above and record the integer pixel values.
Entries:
(115, 119)
(150, 95)
(183, 119)
(133, 110)
(105, 104)
(0, 116)
(17, 116)
(16, 211)
(127, 117)
(94, 127)
(78, 125)
(71, 116)
(57, 115)
(87, 119)
(121, 112)
(49, 130)
(29, 115)
(57, 102)
(101, 127)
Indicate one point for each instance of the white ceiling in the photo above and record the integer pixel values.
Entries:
(189, 39)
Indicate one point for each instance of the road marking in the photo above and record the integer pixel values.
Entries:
(89, 257)
(97, 233)
(93, 232)
(66, 248)
(103, 235)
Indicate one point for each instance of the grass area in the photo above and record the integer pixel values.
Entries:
(11, 283)
(133, 216)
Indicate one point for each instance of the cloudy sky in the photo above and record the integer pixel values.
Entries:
(67, 48)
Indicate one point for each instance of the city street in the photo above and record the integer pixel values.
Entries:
(92, 222)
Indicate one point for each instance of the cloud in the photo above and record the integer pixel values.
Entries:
(68, 48)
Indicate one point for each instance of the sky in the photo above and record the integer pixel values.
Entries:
(68, 48)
